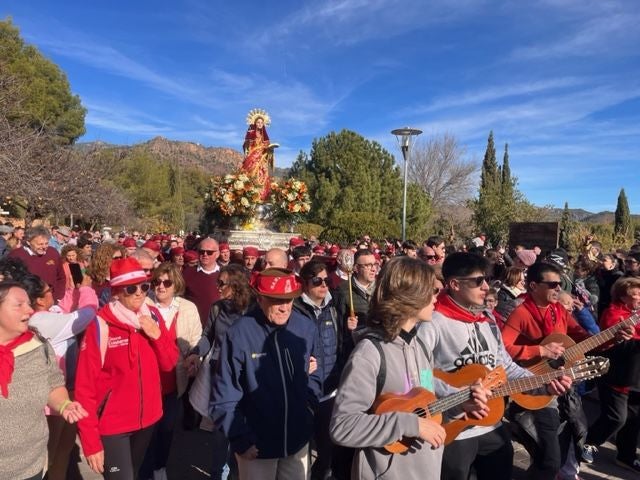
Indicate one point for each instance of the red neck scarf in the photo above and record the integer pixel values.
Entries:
(546, 317)
(449, 308)
(7, 361)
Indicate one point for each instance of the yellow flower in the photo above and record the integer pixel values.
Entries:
(244, 202)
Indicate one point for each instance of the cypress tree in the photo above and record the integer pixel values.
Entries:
(565, 227)
(622, 226)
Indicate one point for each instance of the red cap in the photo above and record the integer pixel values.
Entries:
(318, 249)
(277, 283)
(151, 245)
(250, 252)
(190, 255)
(334, 249)
(223, 247)
(296, 241)
(126, 271)
(129, 243)
(177, 251)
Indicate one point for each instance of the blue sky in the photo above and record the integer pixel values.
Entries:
(559, 80)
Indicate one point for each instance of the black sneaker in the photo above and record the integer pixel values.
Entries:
(588, 452)
(633, 466)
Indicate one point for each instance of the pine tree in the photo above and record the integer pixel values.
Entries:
(622, 227)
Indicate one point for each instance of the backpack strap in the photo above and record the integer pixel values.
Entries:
(382, 372)
(426, 352)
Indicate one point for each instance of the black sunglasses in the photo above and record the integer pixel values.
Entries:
(164, 283)
(476, 281)
(317, 281)
(207, 252)
(131, 289)
(222, 284)
(551, 284)
(430, 257)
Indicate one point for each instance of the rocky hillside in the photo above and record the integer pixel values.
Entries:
(212, 160)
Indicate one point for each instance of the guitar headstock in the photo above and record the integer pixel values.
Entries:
(495, 378)
(589, 367)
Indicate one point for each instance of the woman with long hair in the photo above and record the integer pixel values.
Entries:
(118, 375)
(185, 329)
(403, 298)
(30, 380)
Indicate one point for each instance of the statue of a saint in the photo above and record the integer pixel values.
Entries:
(258, 151)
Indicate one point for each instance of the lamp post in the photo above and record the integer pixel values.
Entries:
(405, 138)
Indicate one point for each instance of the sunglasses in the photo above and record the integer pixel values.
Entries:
(132, 289)
(222, 284)
(551, 284)
(207, 252)
(164, 283)
(116, 257)
(317, 281)
(476, 281)
(429, 257)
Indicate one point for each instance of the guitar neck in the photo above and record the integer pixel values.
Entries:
(450, 401)
(526, 384)
(576, 351)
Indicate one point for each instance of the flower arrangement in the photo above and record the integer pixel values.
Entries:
(290, 200)
(235, 194)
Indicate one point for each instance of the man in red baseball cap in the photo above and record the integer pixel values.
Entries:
(261, 394)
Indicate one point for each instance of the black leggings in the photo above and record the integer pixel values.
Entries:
(123, 453)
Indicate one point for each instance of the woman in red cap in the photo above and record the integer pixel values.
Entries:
(118, 376)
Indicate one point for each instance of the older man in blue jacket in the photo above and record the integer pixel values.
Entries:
(262, 395)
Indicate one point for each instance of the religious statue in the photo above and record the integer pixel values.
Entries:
(258, 151)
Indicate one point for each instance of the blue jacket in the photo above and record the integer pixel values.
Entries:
(327, 330)
(261, 393)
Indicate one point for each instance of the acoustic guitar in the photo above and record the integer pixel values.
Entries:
(423, 403)
(573, 353)
(590, 367)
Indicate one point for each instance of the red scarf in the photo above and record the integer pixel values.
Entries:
(547, 318)
(447, 307)
(7, 361)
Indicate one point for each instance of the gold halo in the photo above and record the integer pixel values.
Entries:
(256, 113)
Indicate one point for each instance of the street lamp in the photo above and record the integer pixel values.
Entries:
(405, 136)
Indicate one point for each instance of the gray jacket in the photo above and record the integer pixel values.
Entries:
(353, 426)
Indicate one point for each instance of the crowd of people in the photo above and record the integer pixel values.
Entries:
(284, 356)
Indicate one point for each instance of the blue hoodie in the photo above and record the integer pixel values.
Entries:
(261, 393)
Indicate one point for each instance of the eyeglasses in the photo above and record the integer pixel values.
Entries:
(366, 265)
(317, 281)
(132, 289)
(164, 283)
(476, 281)
(552, 285)
(207, 252)
(222, 284)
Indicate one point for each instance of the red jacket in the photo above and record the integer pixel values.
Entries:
(121, 393)
(522, 333)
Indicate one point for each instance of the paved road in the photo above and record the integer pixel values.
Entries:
(192, 457)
